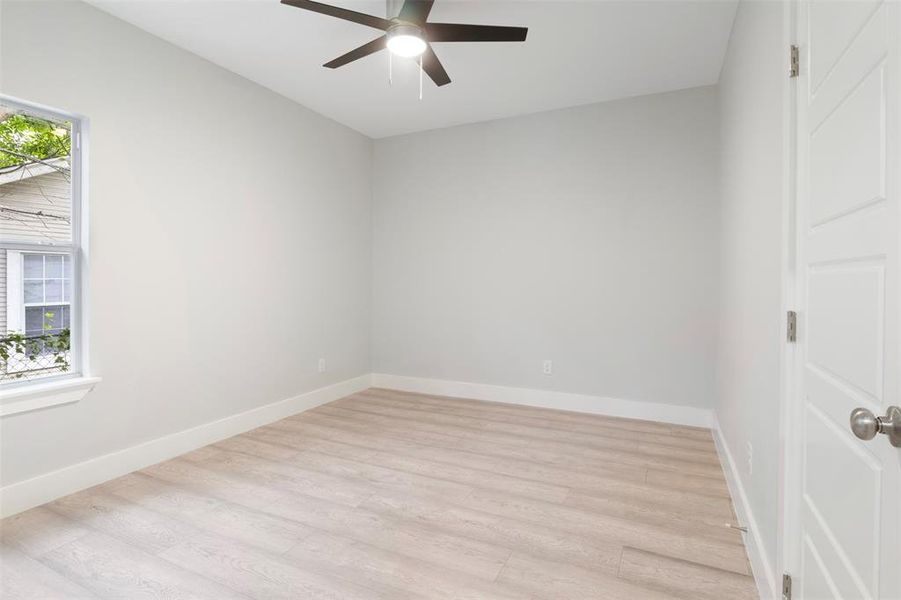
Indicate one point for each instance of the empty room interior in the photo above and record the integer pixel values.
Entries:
(450, 299)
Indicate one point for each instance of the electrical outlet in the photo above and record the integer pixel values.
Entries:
(749, 452)
(548, 368)
(322, 365)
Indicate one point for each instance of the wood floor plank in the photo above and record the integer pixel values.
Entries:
(403, 496)
(246, 525)
(289, 477)
(620, 456)
(323, 417)
(229, 487)
(557, 415)
(258, 574)
(39, 530)
(351, 471)
(401, 572)
(591, 434)
(112, 569)
(541, 540)
(714, 553)
(391, 409)
(626, 484)
(413, 463)
(407, 537)
(454, 449)
(131, 523)
(619, 442)
(553, 580)
(469, 556)
(684, 579)
(712, 486)
(24, 578)
(668, 518)
(682, 500)
(603, 429)
(464, 554)
(249, 445)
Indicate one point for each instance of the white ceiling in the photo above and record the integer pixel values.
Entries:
(576, 53)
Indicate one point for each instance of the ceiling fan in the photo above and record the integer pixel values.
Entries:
(410, 34)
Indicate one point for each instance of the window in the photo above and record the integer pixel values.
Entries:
(41, 250)
(48, 288)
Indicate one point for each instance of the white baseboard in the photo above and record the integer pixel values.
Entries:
(760, 563)
(23, 495)
(632, 409)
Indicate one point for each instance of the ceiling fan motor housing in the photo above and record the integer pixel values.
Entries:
(405, 29)
(405, 39)
(411, 33)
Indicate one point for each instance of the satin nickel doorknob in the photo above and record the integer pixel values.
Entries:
(866, 425)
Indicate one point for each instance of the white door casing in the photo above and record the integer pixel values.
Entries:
(846, 519)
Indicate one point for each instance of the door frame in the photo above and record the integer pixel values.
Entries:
(788, 542)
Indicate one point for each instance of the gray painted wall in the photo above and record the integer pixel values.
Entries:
(586, 236)
(751, 324)
(230, 230)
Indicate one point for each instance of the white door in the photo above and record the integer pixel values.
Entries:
(848, 507)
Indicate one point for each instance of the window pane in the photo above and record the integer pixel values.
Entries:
(67, 267)
(34, 320)
(34, 266)
(56, 318)
(53, 290)
(42, 320)
(53, 266)
(40, 191)
(34, 291)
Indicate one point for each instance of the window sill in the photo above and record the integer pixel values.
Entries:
(44, 395)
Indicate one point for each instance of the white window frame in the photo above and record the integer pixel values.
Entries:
(21, 396)
(15, 288)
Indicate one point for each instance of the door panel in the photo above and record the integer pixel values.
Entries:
(845, 323)
(847, 152)
(833, 28)
(848, 111)
(834, 455)
(819, 583)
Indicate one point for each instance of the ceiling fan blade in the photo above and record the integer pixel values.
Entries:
(416, 11)
(341, 13)
(364, 50)
(453, 32)
(433, 68)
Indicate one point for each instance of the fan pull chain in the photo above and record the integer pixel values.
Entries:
(390, 79)
(420, 76)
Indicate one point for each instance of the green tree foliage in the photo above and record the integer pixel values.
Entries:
(26, 139)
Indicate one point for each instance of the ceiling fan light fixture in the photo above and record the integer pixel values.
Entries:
(406, 41)
(410, 34)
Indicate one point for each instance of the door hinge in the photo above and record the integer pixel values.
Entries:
(786, 586)
(794, 61)
(791, 326)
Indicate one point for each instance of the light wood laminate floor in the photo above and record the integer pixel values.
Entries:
(388, 494)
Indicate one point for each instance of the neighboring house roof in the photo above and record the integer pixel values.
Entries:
(33, 170)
